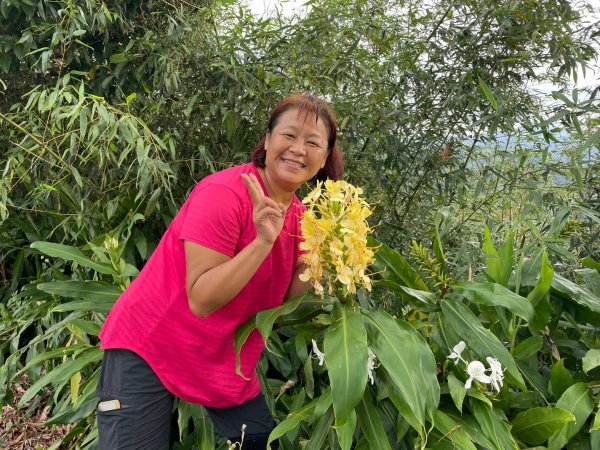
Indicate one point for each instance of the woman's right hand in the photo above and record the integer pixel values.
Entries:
(268, 215)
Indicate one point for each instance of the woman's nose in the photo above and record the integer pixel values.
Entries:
(297, 147)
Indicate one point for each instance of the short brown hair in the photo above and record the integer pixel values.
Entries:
(334, 165)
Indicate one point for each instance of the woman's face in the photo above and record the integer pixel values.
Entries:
(296, 149)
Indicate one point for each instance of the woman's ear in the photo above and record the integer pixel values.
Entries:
(267, 139)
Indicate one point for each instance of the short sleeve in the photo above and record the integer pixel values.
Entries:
(214, 218)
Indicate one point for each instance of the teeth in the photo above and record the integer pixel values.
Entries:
(293, 163)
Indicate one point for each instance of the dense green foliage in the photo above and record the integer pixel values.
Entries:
(111, 110)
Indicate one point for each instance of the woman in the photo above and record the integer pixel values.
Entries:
(231, 250)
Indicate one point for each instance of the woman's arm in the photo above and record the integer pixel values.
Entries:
(213, 278)
(297, 286)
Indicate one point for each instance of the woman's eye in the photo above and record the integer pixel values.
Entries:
(289, 136)
(313, 144)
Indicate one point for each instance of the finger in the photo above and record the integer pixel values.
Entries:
(273, 204)
(274, 210)
(254, 188)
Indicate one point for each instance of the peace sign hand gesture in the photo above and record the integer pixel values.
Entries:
(268, 215)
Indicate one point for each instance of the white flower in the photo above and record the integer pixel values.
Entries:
(318, 353)
(371, 365)
(496, 373)
(456, 351)
(476, 371)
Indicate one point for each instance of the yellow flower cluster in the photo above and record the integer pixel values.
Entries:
(334, 229)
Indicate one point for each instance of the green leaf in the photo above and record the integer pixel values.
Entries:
(591, 140)
(85, 305)
(488, 93)
(576, 293)
(535, 425)
(262, 320)
(91, 290)
(407, 293)
(438, 248)
(452, 432)
(499, 262)
(479, 339)
(591, 263)
(68, 253)
(528, 347)
(294, 418)
(117, 58)
(495, 428)
(493, 294)
(51, 354)
(469, 424)
(393, 267)
(578, 400)
(320, 430)
(370, 423)
(346, 360)
(203, 428)
(539, 295)
(591, 360)
(62, 373)
(457, 390)
(345, 432)
(408, 360)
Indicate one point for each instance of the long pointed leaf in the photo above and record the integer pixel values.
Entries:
(345, 432)
(407, 359)
(62, 373)
(578, 399)
(493, 294)
(294, 418)
(91, 290)
(576, 293)
(392, 266)
(264, 321)
(452, 432)
(495, 428)
(479, 339)
(346, 359)
(69, 253)
(535, 425)
(370, 423)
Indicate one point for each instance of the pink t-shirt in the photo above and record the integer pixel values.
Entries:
(194, 357)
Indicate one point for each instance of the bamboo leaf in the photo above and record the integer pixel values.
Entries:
(488, 93)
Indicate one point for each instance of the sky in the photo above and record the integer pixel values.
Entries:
(589, 78)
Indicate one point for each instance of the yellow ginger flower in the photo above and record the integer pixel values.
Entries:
(335, 229)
